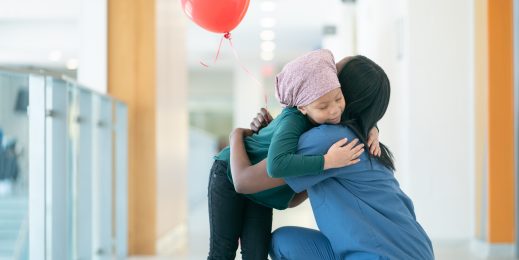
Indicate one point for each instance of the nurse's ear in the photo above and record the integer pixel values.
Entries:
(303, 110)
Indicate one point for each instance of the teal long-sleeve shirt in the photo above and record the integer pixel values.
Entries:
(278, 143)
(282, 159)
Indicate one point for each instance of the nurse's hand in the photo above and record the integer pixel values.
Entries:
(262, 119)
(240, 133)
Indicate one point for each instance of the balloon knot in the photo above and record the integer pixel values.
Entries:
(227, 36)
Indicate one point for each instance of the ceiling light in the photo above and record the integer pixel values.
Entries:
(267, 55)
(72, 64)
(267, 35)
(268, 46)
(268, 6)
(268, 22)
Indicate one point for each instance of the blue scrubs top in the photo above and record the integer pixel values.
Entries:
(360, 208)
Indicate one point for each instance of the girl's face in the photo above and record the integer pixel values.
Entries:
(326, 109)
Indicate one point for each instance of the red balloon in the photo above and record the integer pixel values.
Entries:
(219, 16)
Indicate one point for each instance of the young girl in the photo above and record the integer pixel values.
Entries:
(309, 89)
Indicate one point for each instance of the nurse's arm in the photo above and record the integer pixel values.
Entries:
(298, 199)
(248, 178)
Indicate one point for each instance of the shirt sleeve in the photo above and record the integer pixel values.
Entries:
(283, 160)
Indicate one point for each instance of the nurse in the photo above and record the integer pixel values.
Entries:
(360, 209)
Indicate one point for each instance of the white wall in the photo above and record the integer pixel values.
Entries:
(31, 29)
(92, 56)
(441, 115)
(30, 42)
(343, 43)
(381, 37)
(76, 29)
(426, 49)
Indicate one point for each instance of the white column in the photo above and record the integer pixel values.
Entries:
(172, 127)
(93, 26)
(248, 95)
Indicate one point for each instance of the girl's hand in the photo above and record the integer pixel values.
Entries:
(373, 143)
(261, 120)
(341, 154)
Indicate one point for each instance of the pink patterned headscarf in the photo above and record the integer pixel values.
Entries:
(307, 78)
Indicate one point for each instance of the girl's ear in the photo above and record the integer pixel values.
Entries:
(302, 109)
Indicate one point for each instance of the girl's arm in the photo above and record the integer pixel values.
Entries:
(373, 142)
(248, 178)
(283, 160)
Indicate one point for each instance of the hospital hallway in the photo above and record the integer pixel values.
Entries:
(112, 113)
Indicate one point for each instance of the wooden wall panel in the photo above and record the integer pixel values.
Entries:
(131, 78)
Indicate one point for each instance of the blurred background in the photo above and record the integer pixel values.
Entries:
(109, 121)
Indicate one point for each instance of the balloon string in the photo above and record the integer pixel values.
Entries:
(219, 47)
(265, 96)
(228, 37)
(217, 52)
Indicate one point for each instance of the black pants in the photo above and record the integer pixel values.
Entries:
(234, 217)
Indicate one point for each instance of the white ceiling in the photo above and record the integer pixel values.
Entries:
(298, 29)
(28, 35)
(31, 29)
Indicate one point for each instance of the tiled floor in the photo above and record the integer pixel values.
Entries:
(199, 228)
(300, 216)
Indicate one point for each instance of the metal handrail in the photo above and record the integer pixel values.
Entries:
(47, 73)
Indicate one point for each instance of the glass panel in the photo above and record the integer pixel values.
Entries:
(84, 169)
(72, 159)
(78, 210)
(121, 179)
(58, 200)
(14, 145)
(102, 177)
